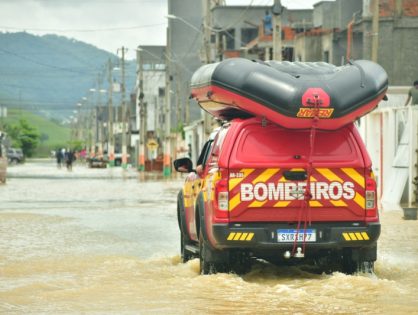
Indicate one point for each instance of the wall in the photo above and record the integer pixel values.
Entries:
(397, 53)
(185, 49)
(324, 15)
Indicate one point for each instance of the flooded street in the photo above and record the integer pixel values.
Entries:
(105, 241)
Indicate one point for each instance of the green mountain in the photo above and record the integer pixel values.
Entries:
(49, 75)
(53, 135)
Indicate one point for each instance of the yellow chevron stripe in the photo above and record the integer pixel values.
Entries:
(354, 175)
(359, 199)
(257, 204)
(235, 201)
(281, 204)
(233, 182)
(264, 177)
(346, 237)
(338, 203)
(243, 236)
(250, 236)
(233, 236)
(359, 237)
(237, 236)
(353, 236)
(365, 236)
(330, 175)
(316, 204)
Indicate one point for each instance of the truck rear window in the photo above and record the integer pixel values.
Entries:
(272, 143)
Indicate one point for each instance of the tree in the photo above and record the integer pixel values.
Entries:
(24, 136)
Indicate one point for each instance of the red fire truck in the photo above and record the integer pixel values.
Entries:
(287, 177)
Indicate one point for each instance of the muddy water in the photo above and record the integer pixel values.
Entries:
(106, 242)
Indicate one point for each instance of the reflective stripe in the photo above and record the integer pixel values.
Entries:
(330, 175)
(243, 237)
(359, 199)
(354, 175)
(237, 236)
(235, 181)
(338, 203)
(346, 237)
(359, 237)
(266, 175)
(365, 236)
(353, 236)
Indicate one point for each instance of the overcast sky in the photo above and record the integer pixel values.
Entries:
(107, 24)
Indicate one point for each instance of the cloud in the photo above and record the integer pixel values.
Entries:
(107, 24)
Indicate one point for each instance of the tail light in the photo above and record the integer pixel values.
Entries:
(371, 202)
(221, 204)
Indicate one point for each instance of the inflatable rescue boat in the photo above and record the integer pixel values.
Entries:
(290, 93)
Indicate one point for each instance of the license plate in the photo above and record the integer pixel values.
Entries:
(284, 236)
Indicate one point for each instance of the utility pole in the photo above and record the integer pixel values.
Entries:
(99, 119)
(141, 157)
(124, 116)
(277, 30)
(167, 116)
(207, 18)
(375, 30)
(110, 145)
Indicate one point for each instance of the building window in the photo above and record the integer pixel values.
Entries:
(229, 36)
(248, 34)
(326, 56)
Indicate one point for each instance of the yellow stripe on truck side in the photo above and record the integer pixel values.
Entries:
(235, 181)
(235, 201)
(359, 199)
(266, 175)
(330, 175)
(354, 175)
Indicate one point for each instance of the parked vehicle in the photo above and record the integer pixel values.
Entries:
(286, 195)
(15, 155)
(3, 164)
(97, 162)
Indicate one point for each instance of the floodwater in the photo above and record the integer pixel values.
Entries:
(105, 241)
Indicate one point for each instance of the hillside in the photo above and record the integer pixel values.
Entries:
(53, 135)
(50, 74)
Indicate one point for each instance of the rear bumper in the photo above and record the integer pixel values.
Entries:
(329, 236)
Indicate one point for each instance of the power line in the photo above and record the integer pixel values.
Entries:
(43, 64)
(111, 29)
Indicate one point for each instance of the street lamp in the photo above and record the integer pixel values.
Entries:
(174, 17)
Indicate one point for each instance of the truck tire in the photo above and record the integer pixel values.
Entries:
(355, 260)
(184, 238)
(206, 267)
(185, 254)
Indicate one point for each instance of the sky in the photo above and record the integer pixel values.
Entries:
(107, 24)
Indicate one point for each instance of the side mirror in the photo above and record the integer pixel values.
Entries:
(183, 165)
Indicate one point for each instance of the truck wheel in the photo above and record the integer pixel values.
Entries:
(205, 266)
(185, 254)
(354, 261)
(240, 262)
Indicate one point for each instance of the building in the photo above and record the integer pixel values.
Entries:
(148, 110)
(348, 35)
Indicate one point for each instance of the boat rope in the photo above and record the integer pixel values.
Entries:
(306, 207)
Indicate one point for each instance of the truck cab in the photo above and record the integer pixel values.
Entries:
(260, 190)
